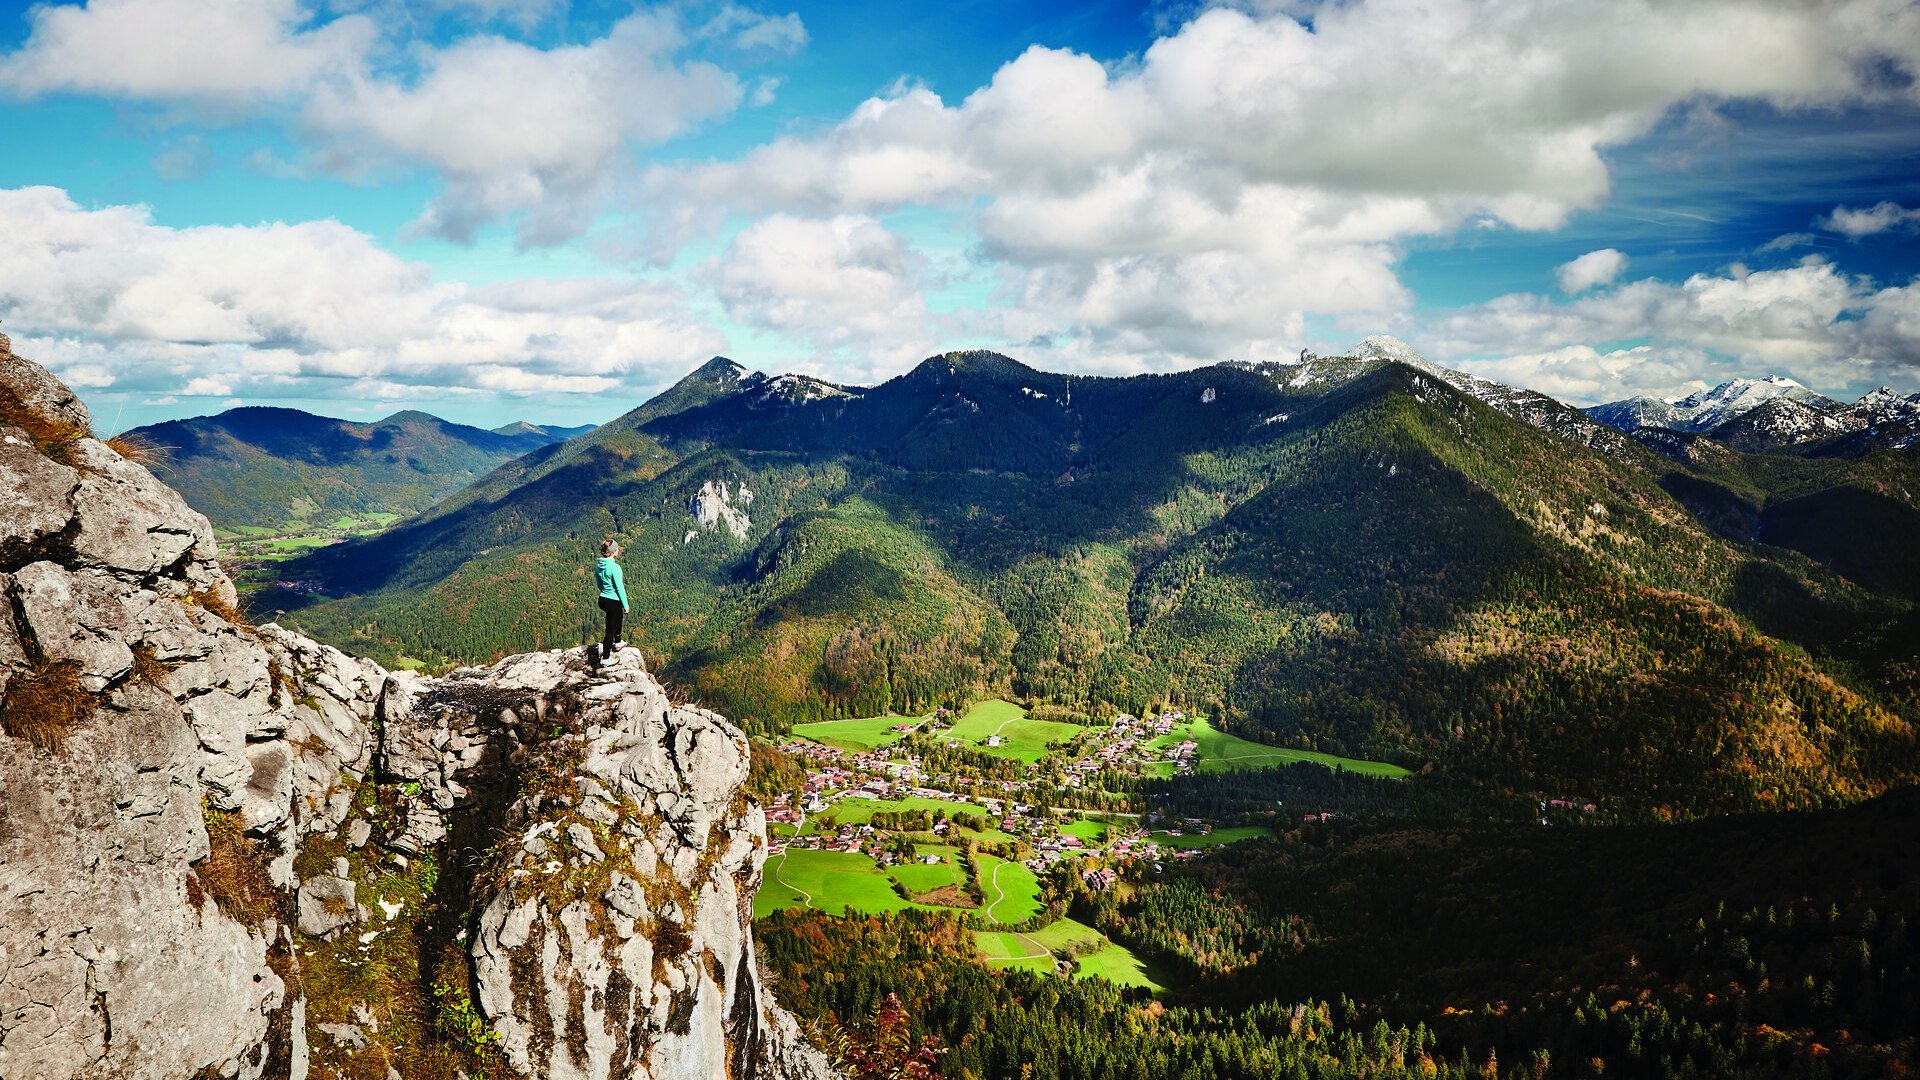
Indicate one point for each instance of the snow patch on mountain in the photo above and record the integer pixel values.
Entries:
(1526, 406)
(801, 389)
(1886, 418)
(1782, 421)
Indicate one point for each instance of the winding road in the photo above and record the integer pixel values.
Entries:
(780, 872)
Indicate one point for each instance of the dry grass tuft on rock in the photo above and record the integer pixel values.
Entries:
(212, 601)
(44, 705)
(54, 438)
(234, 875)
(147, 667)
(139, 449)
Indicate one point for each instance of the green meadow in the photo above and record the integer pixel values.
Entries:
(863, 733)
(1095, 956)
(1010, 891)
(829, 881)
(861, 811)
(1226, 835)
(1087, 829)
(1222, 752)
(1022, 739)
(920, 877)
(1006, 950)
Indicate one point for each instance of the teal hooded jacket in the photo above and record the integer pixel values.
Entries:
(613, 584)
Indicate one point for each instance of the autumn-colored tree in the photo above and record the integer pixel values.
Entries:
(886, 1050)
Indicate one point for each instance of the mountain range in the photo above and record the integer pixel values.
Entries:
(272, 468)
(1774, 413)
(1364, 554)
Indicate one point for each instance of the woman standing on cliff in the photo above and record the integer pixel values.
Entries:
(613, 594)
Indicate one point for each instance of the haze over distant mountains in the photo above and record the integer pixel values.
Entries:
(272, 468)
(1367, 554)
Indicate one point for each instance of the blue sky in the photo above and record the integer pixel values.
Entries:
(504, 209)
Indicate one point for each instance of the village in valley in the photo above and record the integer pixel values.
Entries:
(994, 814)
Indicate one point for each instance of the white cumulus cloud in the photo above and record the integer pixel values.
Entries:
(541, 133)
(232, 52)
(1251, 169)
(1830, 330)
(514, 128)
(1600, 267)
(1857, 222)
(313, 310)
(845, 285)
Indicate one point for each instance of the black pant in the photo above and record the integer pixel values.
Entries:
(616, 617)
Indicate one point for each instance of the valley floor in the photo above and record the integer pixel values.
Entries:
(895, 814)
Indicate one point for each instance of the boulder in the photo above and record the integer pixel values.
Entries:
(36, 498)
(132, 524)
(75, 618)
(39, 390)
(326, 905)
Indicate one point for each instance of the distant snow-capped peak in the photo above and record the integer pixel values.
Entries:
(1705, 410)
(1709, 409)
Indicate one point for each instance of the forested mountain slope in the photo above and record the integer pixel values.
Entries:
(1365, 554)
(269, 467)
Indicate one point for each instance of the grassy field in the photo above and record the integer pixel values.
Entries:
(1004, 950)
(861, 811)
(1022, 739)
(1066, 934)
(365, 523)
(864, 733)
(985, 835)
(1215, 838)
(829, 881)
(1099, 959)
(1093, 832)
(1011, 892)
(1117, 964)
(921, 878)
(1221, 752)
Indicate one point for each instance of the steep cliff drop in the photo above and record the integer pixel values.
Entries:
(230, 851)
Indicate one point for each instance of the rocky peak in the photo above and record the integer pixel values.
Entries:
(232, 851)
(1705, 410)
(1526, 406)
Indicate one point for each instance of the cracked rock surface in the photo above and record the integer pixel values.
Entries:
(164, 768)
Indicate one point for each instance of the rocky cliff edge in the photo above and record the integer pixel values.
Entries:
(230, 851)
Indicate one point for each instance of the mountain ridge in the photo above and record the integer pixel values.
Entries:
(1774, 413)
(1299, 549)
(267, 467)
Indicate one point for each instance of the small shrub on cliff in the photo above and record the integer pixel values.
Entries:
(459, 1023)
(54, 438)
(234, 874)
(670, 939)
(44, 704)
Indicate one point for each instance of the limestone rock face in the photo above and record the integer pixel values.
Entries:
(616, 940)
(132, 942)
(180, 792)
